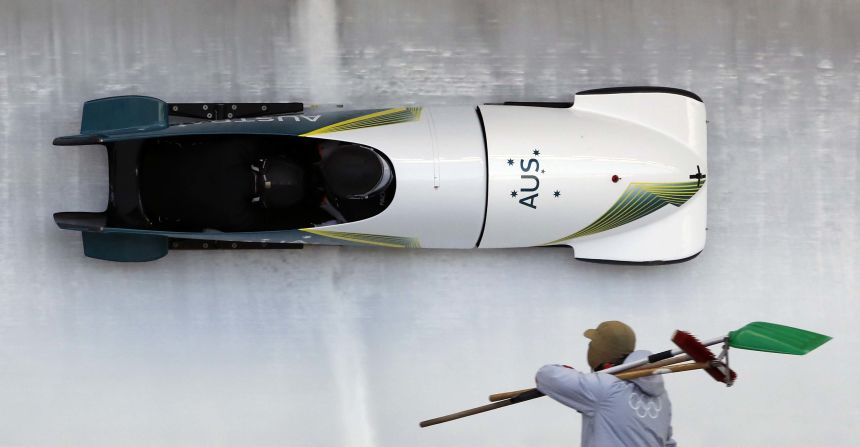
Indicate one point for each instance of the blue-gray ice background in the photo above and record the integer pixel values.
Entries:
(352, 347)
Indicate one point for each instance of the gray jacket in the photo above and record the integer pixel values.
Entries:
(614, 412)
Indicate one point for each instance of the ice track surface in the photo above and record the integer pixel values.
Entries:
(352, 347)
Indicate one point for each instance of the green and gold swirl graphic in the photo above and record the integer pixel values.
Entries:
(381, 118)
(638, 200)
(368, 239)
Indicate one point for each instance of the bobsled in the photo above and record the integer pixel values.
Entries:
(618, 174)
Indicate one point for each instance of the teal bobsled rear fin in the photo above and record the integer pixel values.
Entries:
(124, 114)
(117, 115)
(124, 247)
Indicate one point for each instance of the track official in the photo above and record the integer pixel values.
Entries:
(614, 412)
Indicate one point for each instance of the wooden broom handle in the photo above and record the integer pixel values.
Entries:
(622, 375)
(508, 394)
(629, 375)
(534, 393)
(522, 397)
(665, 362)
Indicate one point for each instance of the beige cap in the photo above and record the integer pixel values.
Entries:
(610, 342)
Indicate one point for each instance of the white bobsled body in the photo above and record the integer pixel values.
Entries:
(618, 174)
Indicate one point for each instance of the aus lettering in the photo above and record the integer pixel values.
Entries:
(530, 182)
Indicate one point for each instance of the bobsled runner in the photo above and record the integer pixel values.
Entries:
(618, 174)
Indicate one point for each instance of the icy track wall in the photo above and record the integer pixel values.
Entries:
(352, 347)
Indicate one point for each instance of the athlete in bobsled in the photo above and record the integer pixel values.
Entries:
(618, 174)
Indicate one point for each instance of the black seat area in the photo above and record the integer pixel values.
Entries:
(278, 183)
(195, 184)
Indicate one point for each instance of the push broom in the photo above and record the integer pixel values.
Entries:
(756, 336)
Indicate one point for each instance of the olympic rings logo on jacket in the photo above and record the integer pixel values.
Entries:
(645, 405)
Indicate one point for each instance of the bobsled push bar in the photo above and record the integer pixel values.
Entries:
(221, 111)
(205, 244)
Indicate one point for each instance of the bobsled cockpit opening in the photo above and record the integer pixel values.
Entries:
(359, 180)
(242, 183)
(354, 171)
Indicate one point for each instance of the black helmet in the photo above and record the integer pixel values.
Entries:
(356, 172)
(278, 183)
